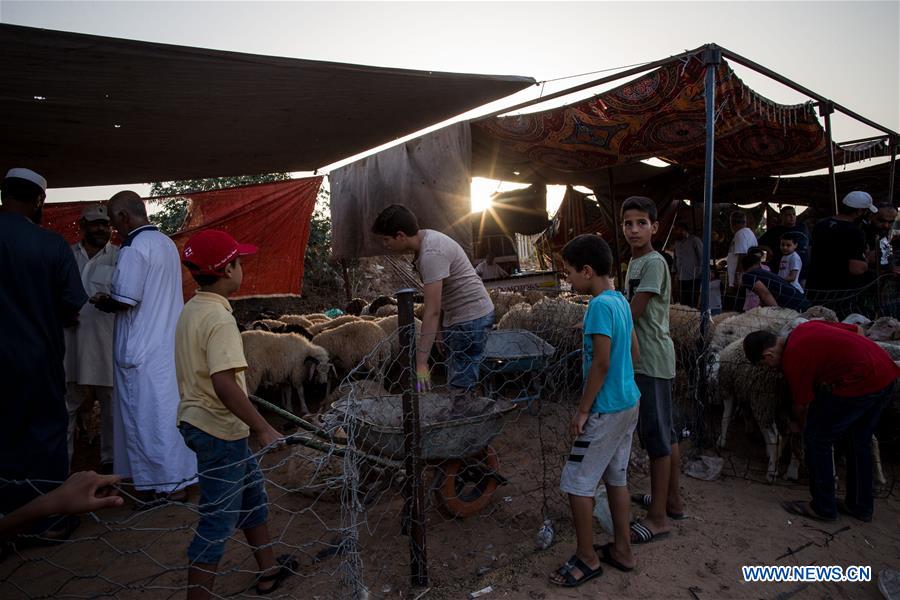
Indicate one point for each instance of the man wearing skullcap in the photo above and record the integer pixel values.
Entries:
(40, 293)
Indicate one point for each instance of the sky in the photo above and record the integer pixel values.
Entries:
(847, 51)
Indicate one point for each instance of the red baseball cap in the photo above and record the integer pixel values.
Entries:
(207, 252)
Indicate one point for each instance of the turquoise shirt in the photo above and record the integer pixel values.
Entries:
(610, 315)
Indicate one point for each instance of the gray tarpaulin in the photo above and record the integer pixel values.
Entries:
(89, 110)
(430, 175)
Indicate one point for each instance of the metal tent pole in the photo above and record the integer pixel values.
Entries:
(894, 141)
(825, 110)
(414, 513)
(616, 226)
(712, 57)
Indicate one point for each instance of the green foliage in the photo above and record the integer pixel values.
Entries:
(318, 268)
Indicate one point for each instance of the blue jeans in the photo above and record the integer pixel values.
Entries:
(465, 342)
(232, 492)
(851, 420)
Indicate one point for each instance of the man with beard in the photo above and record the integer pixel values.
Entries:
(89, 353)
(40, 293)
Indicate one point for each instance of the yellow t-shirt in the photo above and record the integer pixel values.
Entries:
(207, 341)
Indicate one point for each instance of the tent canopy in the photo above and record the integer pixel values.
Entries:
(88, 110)
(659, 114)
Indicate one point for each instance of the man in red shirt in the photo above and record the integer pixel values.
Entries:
(840, 383)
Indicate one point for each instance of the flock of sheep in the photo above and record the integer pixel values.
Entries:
(306, 354)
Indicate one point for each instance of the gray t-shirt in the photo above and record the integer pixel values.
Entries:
(463, 297)
(688, 258)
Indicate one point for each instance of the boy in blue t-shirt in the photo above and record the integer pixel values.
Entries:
(606, 416)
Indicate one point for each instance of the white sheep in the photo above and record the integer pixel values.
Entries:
(284, 360)
(884, 329)
(767, 318)
(737, 383)
(295, 320)
(386, 310)
(503, 301)
(389, 326)
(317, 328)
(820, 312)
(517, 317)
(357, 343)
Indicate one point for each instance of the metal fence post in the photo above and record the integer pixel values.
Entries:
(414, 491)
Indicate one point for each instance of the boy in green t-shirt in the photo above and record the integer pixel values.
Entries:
(648, 288)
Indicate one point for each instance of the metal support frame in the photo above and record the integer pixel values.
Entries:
(826, 108)
(413, 487)
(712, 58)
(617, 254)
(894, 142)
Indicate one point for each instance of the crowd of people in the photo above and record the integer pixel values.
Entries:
(850, 262)
(94, 323)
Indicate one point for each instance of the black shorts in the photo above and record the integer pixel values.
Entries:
(655, 428)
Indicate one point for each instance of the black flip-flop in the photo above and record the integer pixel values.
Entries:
(569, 580)
(643, 500)
(605, 554)
(644, 535)
(287, 565)
(801, 508)
(845, 510)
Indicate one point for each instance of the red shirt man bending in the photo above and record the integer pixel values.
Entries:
(840, 383)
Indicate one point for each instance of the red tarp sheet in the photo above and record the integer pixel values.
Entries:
(273, 216)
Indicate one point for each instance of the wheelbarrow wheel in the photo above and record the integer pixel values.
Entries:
(468, 484)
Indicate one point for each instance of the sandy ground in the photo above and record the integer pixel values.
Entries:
(733, 521)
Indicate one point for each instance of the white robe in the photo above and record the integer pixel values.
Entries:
(147, 444)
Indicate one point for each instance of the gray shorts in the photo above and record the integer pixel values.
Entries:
(655, 428)
(600, 452)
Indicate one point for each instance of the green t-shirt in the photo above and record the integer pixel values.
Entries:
(650, 273)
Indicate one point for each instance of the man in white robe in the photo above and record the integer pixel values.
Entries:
(147, 299)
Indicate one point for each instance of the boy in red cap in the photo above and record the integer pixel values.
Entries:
(216, 418)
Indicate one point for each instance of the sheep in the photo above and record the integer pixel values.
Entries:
(386, 310)
(295, 320)
(534, 296)
(356, 390)
(737, 383)
(286, 360)
(318, 328)
(503, 301)
(316, 317)
(419, 310)
(389, 326)
(557, 321)
(884, 329)
(355, 307)
(716, 319)
(267, 325)
(820, 312)
(517, 317)
(684, 325)
(377, 303)
(352, 344)
(276, 326)
(768, 318)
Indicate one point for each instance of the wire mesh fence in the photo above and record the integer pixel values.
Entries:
(346, 500)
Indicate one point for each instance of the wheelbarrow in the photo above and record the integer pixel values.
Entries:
(466, 467)
(514, 353)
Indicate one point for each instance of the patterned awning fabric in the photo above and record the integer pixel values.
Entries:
(659, 114)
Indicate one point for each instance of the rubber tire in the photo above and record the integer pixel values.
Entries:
(466, 506)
